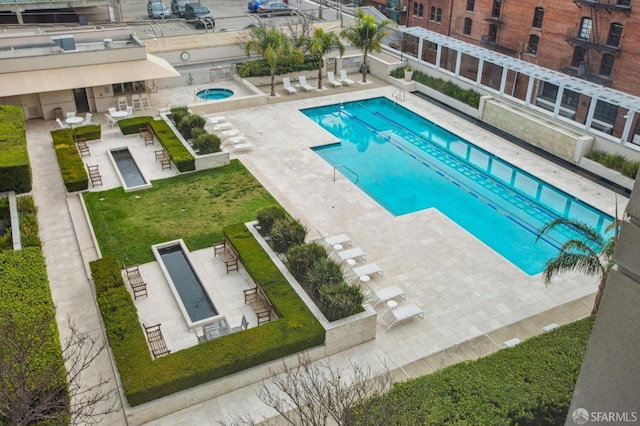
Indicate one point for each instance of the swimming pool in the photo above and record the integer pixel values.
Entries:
(407, 163)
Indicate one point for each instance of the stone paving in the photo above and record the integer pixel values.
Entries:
(474, 300)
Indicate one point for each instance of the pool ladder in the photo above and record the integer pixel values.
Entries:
(342, 166)
(399, 95)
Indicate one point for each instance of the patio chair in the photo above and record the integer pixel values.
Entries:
(244, 324)
(83, 148)
(94, 175)
(112, 110)
(62, 124)
(404, 312)
(344, 78)
(286, 83)
(71, 114)
(136, 102)
(332, 79)
(303, 83)
(87, 119)
(339, 239)
(122, 103)
(129, 110)
(110, 120)
(145, 101)
(367, 269)
(156, 341)
(388, 293)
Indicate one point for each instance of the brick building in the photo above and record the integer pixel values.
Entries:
(588, 39)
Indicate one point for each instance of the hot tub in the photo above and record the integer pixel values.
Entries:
(214, 94)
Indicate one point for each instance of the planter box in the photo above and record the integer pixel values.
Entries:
(608, 174)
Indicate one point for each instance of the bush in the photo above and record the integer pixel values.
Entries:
(189, 122)
(324, 272)
(178, 113)
(29, 231)
(287, 232)
(131, 126)
(71, 165)
(180, 155)
(467, 96)
(303, 256)
(260, 67)
(340, 300)
(206, 143)
(616, 162)
(15, 168)
(267, 216)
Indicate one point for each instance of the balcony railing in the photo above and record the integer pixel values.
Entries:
(574, 39)
(622, 5)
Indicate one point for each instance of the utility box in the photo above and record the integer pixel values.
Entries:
(58, 113)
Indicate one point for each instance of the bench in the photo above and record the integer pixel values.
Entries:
(259, 302)
(138, 285)
(94, 175)
(82, 146)
(164, 158)
(147, 135)
(156, 341)
(227, 253)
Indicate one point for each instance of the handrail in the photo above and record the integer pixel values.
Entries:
(346, 168)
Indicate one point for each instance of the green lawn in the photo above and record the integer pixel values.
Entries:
(194, 207)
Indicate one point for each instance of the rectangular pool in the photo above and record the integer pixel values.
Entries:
(407, 163)
(127, 169)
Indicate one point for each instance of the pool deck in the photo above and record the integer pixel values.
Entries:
(474, 300)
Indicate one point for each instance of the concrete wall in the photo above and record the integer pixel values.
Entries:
(609, 379)
(548, 135)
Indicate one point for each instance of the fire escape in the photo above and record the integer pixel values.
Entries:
(496, 20)
(594, 48)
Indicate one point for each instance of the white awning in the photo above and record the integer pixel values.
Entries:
(50, 80)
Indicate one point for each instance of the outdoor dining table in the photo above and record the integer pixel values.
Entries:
(73, 121)
(119, 114)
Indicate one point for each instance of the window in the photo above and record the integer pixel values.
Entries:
(549, 92)
(467, 26)
(538, 16)
(615, 33)
(585, 28)
(624, 2)
(421, 10)
(578, 56)
(493, 33)
(605, 112)
(606, 66)
(128, 87)
(415, 9)
(533, 44)
(470, 5)
(439, 15)
(497, 6)
(432, 14)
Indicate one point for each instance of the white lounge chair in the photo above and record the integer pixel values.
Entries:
(222, 126)
(286, 83)
(242, 147)
(333, 240)
(367, 269)
(62, 124)
(303, 83)
(332, 79)
(229, 133)
(352, 253)
(235, 140)
(388, 293)
(404, 312)
(345, 78)
(216, 119)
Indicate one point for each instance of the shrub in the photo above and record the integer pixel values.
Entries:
(180, 155)
(15, 169)
(616, 162)
(260, 68)
(206, 143)
(267, 216)
(340, 300)
(467, 96)
(303, 256)
(178, 113)
(189, 122)
(324, 272)
(131, 126)
(71, 165)
(287, 232)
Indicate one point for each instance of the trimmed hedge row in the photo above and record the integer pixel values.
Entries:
(29, 230)
(15, 168)
(25, 294)
(72, 168)
(617, 162)
(180, 155)
(144, 380)
(531, 383)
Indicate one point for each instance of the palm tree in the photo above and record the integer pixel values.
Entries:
(590, 253)
(274, 46)
(319, 45)
(366, 35)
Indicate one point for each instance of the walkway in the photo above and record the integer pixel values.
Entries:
(474, 299)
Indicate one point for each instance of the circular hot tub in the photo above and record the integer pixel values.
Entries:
(214, 94)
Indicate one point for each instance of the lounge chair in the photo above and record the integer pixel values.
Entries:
(303, 83)
(156, 341)
(333, 240)
(332, 79)
(367, 269)
(216, 119)
(286, 83)
(352, 253)
(344, 78)
(225, 125)
(388, 293)
(404, 312)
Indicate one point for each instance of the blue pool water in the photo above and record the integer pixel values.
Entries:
(407, 163)
(214, 94)
(192, 293)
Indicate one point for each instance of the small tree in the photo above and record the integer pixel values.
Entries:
(32, 385)
(367, 36)
(590, 252)
(318, 394)
(274, 46)
(319, 45)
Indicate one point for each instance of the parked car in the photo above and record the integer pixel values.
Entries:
(177, 7)
(199, 15)
(158, 10)
(254, 4)
(275, 8)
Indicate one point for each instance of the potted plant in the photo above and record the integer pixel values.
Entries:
(408, 73)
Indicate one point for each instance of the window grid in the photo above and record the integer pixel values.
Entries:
(432, 14)
(615, 34)
(538, 16)
(585, 28)
(470, 5)
(533, 44)
(467, 26)
(497, 7)
(606, 66)
(439, 15)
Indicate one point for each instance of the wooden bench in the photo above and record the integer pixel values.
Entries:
(94, 175)
(138, 285)
(156, 341)
(259, 302)
(164, 158)
(83, 148)
(147, 135)
(228, 253)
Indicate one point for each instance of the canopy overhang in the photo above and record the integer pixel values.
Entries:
(51, 80)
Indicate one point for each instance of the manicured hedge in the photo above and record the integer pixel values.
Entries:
(468, 96)
(131, 126)
(15, 169)
(144, 380)
(180, 155)
(530, 384)
(72, 168)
